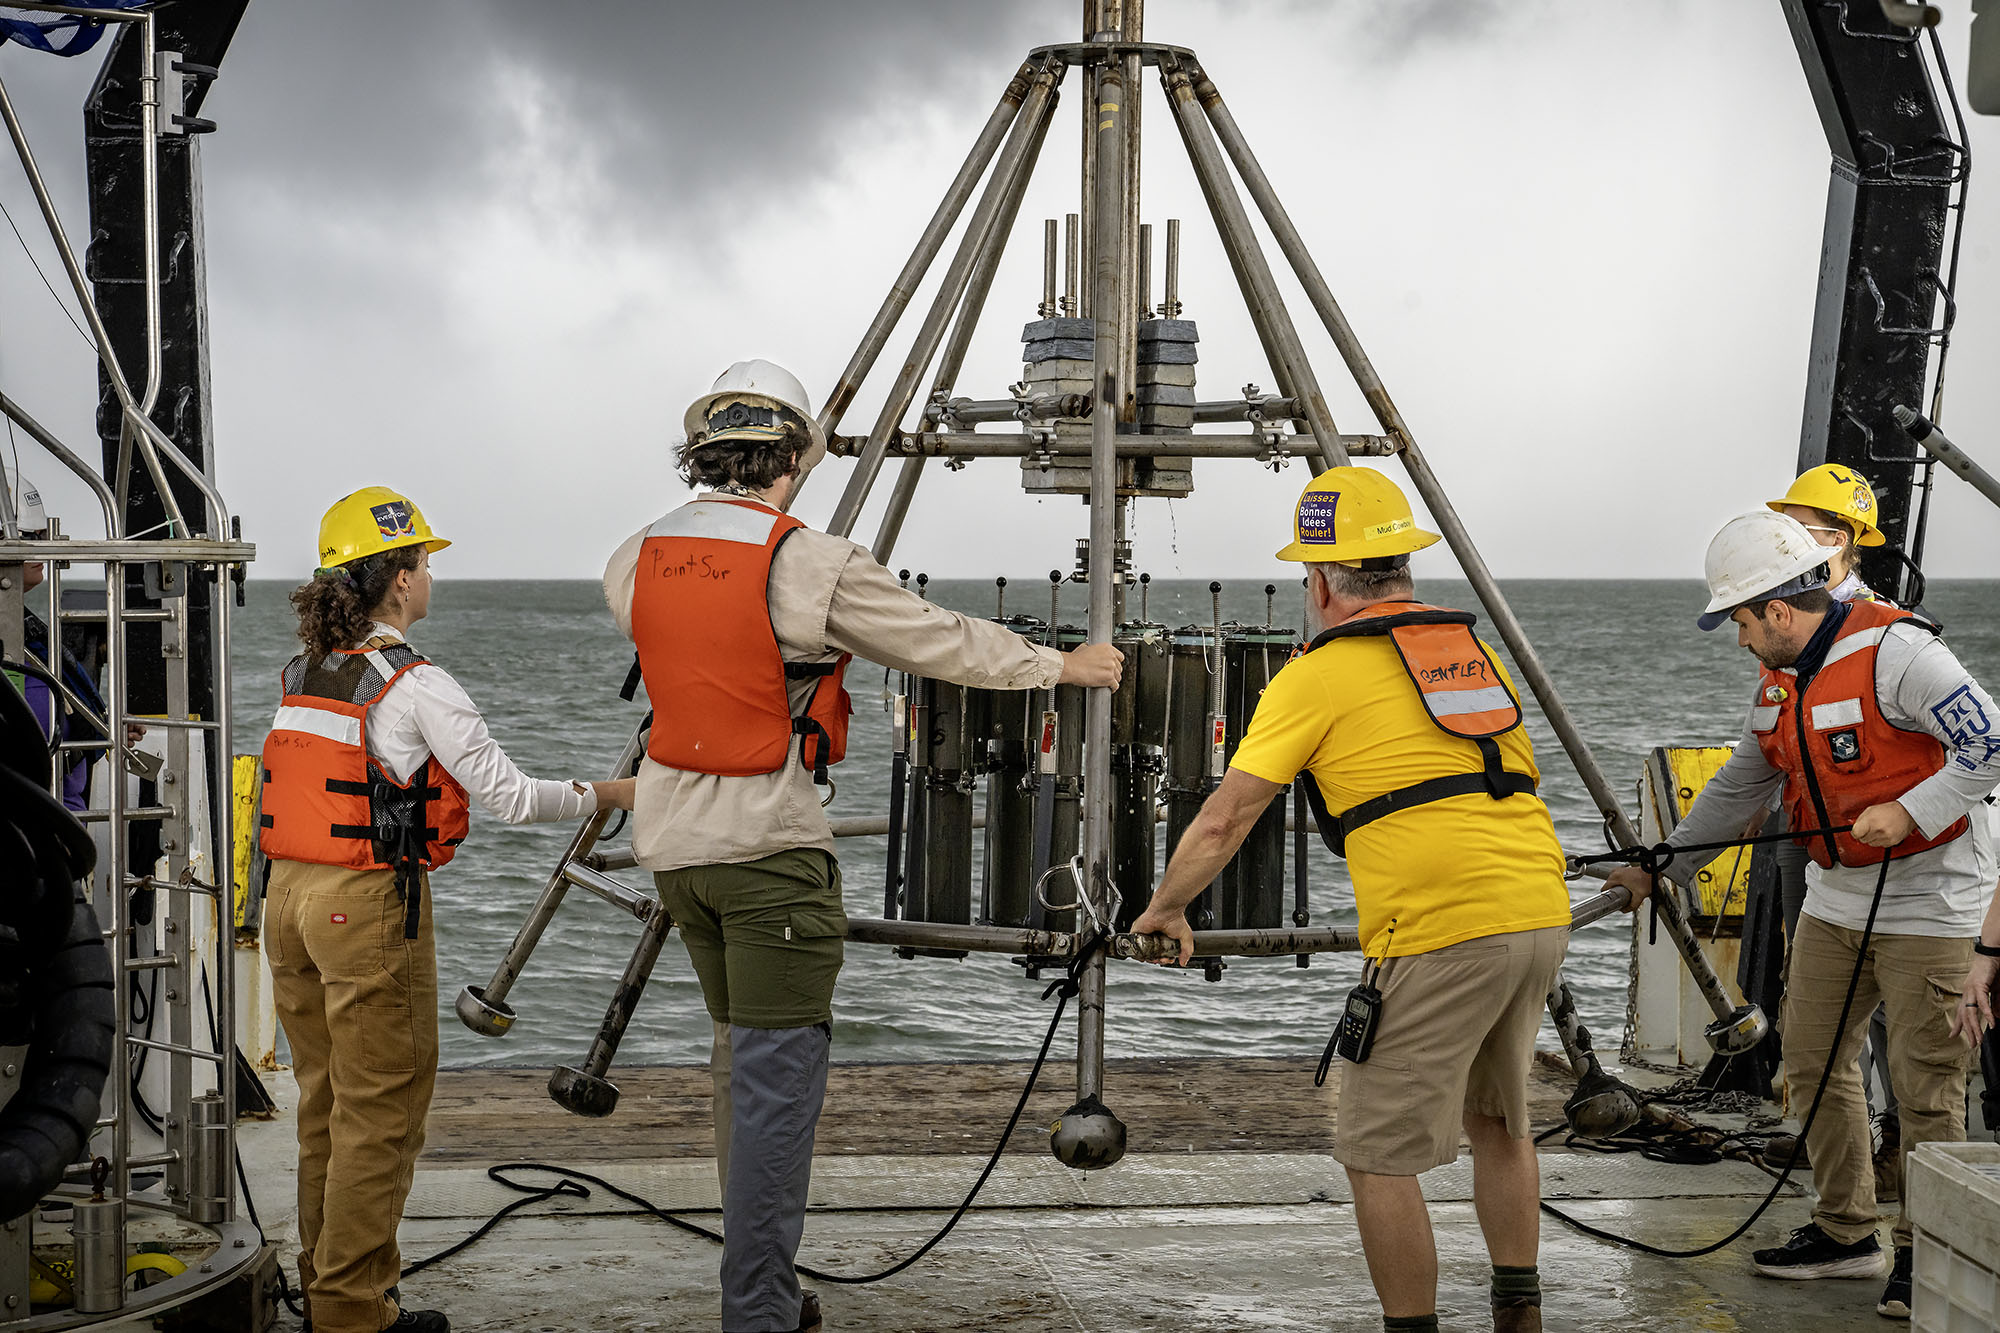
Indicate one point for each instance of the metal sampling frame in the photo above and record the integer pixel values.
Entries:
(1112, 59)
(196, 1166)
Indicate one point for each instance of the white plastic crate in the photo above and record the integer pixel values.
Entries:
(1954, 1200)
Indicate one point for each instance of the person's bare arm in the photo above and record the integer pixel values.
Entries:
(1225, 819)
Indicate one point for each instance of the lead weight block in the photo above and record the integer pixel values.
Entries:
(1059, 368)
(1050, 349)
(1159, 414)
(1167, 331)
(1068, 327)
(1167, 395)
(1167, 354)
(1152, 372)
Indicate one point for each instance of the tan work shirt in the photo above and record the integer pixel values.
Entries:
(827, 596)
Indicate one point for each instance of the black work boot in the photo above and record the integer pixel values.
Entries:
(1895, 1302)
(419, 1321)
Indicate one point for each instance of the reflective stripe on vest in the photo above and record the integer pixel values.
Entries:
(1838, 753)
(1464, 695)
(701, 621)
(325, 799)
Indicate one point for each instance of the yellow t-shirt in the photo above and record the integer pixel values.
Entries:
(1448, 871)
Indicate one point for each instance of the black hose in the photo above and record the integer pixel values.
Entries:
(1812, 1112)
(567, 1177)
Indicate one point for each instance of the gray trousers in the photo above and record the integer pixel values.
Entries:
(1792, 860)
(776, 1082)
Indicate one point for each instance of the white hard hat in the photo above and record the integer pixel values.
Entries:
(1759, 555)
(748, 380)
(26, 502)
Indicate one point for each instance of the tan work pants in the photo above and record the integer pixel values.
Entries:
(359, 1007)
(1918, 978)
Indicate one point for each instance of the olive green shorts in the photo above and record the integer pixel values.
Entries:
(766, 936)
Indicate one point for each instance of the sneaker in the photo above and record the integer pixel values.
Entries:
(809, 1316)
(1895, 1302)
(1811, 1253)
(419, 1321)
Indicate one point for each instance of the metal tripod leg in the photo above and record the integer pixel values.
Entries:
(1009, 175)
(585, 1089)
(1737, 1027)
(484, 1009)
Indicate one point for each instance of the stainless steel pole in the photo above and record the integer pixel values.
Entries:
(927, 247)
(1106, 267)
(992, 245)
(1940, 447)
(81, 286)
(1050, 306)
(1294, 249)
(1253, 273)
(1025, 133)
(222, 816)
(485, 1009)
(1069, 264)
(149, 209)
(113, 529)
(1455, 534)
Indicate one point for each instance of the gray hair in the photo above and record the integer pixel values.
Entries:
(1365, 585)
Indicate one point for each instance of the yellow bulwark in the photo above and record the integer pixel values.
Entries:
(1724, 883)
(244, 789)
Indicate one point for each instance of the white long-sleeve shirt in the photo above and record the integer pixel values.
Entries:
(427, 714)
(1919, 686)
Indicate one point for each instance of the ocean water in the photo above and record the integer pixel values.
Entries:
(545, 662)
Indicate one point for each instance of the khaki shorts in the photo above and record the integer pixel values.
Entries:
(1456, 1036)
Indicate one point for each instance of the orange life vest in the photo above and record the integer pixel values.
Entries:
(701, 620)
(1838, 753)
(327, 801)
(1464, 694)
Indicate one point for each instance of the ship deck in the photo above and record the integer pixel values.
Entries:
(1227, 1213)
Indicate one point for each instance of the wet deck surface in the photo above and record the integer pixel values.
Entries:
(1191, 1105)
(1227, 1215)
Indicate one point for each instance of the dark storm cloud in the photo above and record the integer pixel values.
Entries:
(675, 110)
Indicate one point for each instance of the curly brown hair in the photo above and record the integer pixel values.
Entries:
(337, 607)
(754, 463)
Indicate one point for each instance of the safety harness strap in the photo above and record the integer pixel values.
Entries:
(807, 726)
(1336, 829)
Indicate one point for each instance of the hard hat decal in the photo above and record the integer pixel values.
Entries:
(1389, 529)
(1316, 518)
(1864, 500)
(393, 520)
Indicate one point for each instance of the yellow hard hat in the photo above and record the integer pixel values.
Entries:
(372, 520)
(1840, 491)
(1353, 513)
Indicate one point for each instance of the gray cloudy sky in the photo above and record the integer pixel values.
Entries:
(487, 250)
